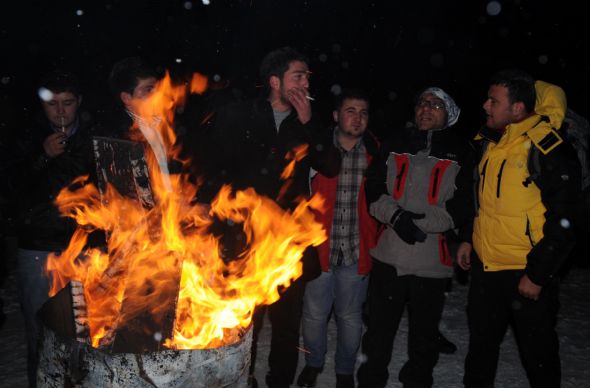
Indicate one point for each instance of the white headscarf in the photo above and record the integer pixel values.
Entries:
(453, 111)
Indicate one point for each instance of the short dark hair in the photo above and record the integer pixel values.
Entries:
(351, 94)
(60, 81)
(277, 63)
(520, 85)
(127, 72)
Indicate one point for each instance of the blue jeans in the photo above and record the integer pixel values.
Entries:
(33, 289)
(346, 290)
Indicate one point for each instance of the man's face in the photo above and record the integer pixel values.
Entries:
(62, 109)
(352, 117)
(296, 77)
(142, 90)
(430, 113)
(500, 112)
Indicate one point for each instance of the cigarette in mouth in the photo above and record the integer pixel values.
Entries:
(310, 98)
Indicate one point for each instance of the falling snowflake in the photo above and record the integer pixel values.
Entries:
(336, 89)
(45, 94)
(543, 59)
(494, 8)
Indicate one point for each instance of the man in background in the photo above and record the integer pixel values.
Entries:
(250, 140)
(49, 156)
(344, 257)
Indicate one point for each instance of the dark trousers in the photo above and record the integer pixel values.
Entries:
(388, 295)
(494, 303)
(285, 319)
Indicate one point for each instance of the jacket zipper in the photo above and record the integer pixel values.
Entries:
(483, 174)
(500, 178)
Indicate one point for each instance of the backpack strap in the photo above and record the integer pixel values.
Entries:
(534, 166)
(544, 139)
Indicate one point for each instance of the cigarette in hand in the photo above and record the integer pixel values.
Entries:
(310, 98)
(63, 124)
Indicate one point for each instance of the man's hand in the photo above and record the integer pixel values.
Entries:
(55, 144)
(528, 289)
(298, 99)
(464, 255)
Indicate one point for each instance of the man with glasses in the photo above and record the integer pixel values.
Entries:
(420, 189)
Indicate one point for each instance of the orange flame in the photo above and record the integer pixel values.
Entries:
(147, 249)
(298, 153)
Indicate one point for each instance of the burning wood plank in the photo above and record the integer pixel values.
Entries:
(80, 312)
(122, 164)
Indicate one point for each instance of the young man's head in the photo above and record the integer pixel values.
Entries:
(282, 70)
(60, 99)
(435, 109)
(351, 113)
(132, 79)
(511, 98)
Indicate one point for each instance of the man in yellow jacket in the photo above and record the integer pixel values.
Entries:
(522, 232)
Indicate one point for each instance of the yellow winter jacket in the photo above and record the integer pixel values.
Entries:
(511, 214)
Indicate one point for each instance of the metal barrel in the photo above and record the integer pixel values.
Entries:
(67, 362)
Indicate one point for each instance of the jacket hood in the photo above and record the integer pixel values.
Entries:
(551, 102)
(453, 110)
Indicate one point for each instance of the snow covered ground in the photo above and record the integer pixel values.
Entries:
(573, 327)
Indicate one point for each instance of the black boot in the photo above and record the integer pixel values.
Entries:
(308, 376)
(344, 381)
(444, 345)
(252, 382)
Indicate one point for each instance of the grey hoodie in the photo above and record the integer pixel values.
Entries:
(421, 259)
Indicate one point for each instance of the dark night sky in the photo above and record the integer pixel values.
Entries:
(389, 47)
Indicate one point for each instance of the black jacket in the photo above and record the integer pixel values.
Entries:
(247, 151)
(39, 180)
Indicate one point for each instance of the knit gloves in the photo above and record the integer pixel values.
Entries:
(403, 224)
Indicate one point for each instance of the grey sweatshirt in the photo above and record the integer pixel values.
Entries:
(422, 176)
